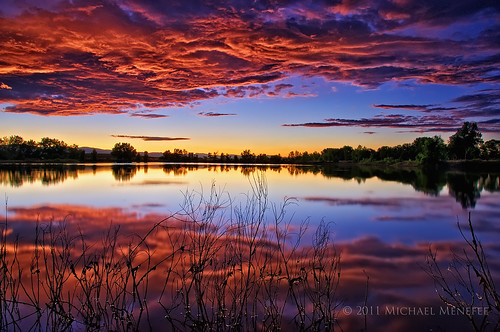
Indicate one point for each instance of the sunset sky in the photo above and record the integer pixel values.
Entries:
(267, 75)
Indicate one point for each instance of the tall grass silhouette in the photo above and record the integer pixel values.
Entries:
(467, 283)
(216, 264)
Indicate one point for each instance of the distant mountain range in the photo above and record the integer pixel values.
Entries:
(99, 151)
(88, 150)
(104, 151)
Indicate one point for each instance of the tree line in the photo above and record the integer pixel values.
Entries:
(465, 144)
(16, 148)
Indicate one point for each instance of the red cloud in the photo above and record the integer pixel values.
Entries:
(68, 58)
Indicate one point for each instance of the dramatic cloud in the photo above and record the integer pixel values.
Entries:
(439, 118)
(72, 58)
(427, 123)
(253, 91)
(411, 123)
(152, 138)
(212, 114)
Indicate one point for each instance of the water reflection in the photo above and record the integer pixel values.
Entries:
(430, 182)
(17, 175)
(211, 257)
(124, 173)
(465, 187)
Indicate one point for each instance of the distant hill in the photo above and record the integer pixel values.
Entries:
(99, 151)
(103, 151)
(88, 150)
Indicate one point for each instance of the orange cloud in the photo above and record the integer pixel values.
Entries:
(72, 58)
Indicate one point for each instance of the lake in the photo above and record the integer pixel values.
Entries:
(382, 223)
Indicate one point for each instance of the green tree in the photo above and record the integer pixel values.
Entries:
(385, 153)
(406, 152)
(431, 150)
(362, 153)
(464, 144)
(124, 152)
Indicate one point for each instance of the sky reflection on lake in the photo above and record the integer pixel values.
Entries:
(383, 222)
(393, 206)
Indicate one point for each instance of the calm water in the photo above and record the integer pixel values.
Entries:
(383, 220)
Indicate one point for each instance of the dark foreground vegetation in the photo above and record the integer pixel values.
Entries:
(465, 144)
(216, 265)
(203, 269)
(467, 282)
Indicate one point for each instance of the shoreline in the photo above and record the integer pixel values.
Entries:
(449, 165)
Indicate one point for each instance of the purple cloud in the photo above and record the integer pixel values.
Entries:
(152, 138)
(213, 114)
(71, 58)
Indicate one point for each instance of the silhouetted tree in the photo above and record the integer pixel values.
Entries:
(124, 152)
(177, 156)
(94, 155)
(11, 147)
(29, 150)
(82, 156)
(52, 148)
(247, 156)
(14, 140)
(490, 149)
(212, 157)
(166, 156)
(276, 159)
(75, 153)
(347, 152)
(465, 142)
(16, 148)
(145, 158)
(262, 158)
